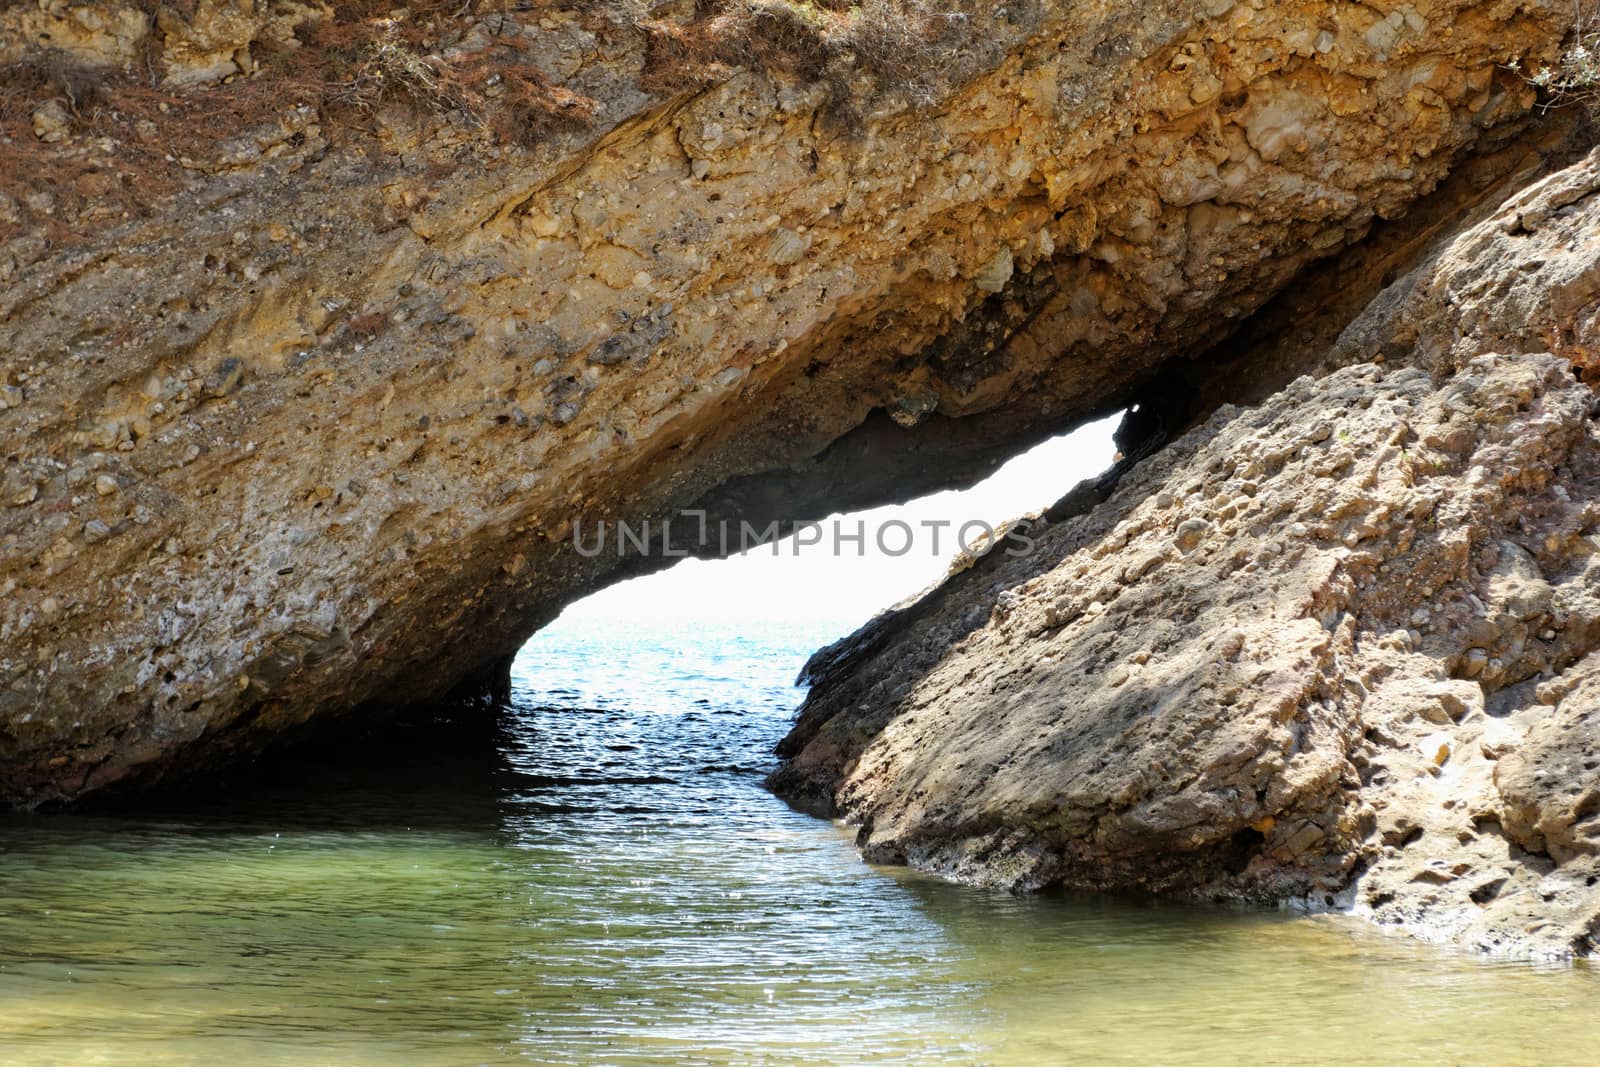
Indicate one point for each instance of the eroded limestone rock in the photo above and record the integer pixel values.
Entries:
(1336, 648)
(356, 386)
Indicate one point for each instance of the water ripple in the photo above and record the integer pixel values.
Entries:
(602, 881)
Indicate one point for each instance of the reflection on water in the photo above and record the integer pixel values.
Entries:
(603, 881)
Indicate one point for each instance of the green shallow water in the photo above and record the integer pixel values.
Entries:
(601, 880)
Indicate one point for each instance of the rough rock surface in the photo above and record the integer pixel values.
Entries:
(1339, 648)
(297, 428)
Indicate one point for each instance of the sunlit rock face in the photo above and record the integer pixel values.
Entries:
(1339, 647)
(296, 429)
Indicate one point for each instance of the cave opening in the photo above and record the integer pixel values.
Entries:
(702, 636)
(661, 701)
(832, 575)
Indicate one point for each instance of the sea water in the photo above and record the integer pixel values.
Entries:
(598, 877)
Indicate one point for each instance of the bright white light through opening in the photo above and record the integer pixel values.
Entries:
(817, 584)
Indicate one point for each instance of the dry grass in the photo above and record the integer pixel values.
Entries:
(47, 182)
(347, 67)
(374, 55)
(368, 59)
(488, 90)
(358, 60)
(858, 50)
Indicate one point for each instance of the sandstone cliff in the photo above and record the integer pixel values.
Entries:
(322, 325)
(1340, 647)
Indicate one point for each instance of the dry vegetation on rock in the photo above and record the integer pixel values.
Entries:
(897, 47)
(112, 137)
(160, 122)
(1574, 79)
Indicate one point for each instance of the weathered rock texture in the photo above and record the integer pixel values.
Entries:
(298, 419)
(1340, 647)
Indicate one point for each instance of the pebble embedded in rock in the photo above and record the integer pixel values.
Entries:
(993, 275)
(52, 122)
(225, 378)
(788, 248)
(1190, 533)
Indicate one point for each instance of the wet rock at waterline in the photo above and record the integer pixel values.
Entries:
(1340, 647)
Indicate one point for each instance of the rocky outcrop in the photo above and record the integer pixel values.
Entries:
(305, 390)
(1337, 648)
